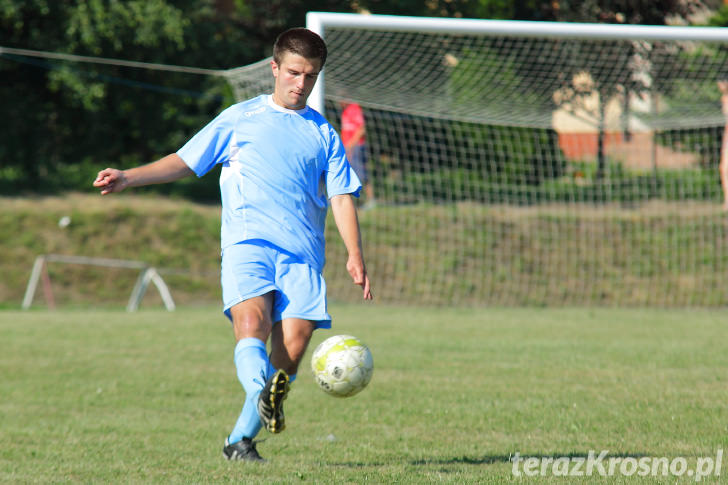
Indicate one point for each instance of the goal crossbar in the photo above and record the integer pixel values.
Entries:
(320, 21)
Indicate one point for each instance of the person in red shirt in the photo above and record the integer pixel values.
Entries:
(353, 135)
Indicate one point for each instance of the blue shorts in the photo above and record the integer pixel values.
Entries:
(254, 268)
(357, 157)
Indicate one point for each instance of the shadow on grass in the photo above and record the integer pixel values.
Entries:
(491, 459)
(464, 460)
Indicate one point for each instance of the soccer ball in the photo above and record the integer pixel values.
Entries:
(342, 365)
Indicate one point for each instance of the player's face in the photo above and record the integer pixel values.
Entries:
(295, 76)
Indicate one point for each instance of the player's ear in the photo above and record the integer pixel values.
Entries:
(274, 68)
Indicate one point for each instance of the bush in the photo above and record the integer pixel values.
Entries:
(581, 185)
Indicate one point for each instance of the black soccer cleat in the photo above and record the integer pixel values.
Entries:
(270, 402)
(243, 450)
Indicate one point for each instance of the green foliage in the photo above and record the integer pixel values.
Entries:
(705, 142)
(104, 27)
(720, 19)
(486, 9)
(580, 183)
(487, 77)
(681, 97)
(619, 11)
(66, 113)
(70, 119)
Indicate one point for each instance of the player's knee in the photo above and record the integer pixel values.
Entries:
(251, 322)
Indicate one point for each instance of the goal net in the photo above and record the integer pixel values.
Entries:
(530, 163)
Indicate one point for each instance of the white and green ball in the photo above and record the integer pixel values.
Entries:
(342, 365)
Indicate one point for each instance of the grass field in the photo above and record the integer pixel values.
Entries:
(108, 397)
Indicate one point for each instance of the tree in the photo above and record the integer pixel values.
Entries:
(66, 113)
(485, 9)
(619, 79)
(69, 119)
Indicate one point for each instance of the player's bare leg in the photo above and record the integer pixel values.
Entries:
(252, 327)
(289, 341)
(251, 318)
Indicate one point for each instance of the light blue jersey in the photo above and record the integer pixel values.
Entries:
(279, 168)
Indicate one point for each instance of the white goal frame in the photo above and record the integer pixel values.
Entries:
(319, 21)
(147, 274)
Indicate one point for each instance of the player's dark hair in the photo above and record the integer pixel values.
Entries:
(303, 42)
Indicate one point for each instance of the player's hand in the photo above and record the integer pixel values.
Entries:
(111, 180)
(358, 272)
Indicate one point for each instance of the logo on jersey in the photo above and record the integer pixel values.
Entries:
(258, 111)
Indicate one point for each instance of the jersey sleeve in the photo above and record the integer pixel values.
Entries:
(211, 145)
(340, 177)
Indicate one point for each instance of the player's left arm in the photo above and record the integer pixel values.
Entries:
(347, 222)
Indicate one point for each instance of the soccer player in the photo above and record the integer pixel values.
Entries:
(282, 163)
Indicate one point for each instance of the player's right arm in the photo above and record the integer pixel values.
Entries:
(347, 222)
(167, 169)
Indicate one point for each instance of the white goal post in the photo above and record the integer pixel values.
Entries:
(530, 163)
(320, 21)
(147, 274)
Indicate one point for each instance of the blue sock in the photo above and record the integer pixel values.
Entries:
(251, 362)
(270, 370)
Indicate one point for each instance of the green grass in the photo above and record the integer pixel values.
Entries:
(464, 254)
(107, 397)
